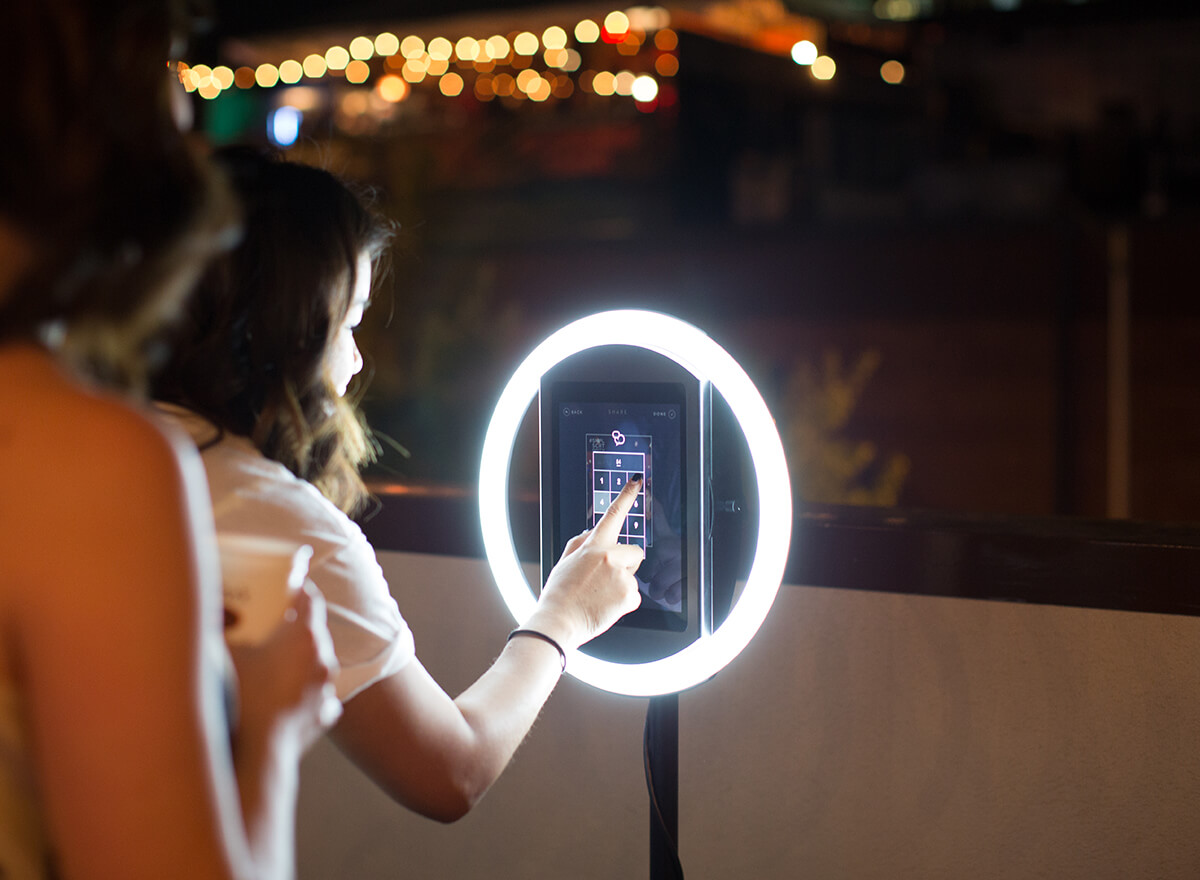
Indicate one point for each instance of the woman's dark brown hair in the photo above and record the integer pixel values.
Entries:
(121, 215)
(250, 353)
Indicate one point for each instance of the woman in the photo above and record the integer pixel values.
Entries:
(114, 744)
(258, 377)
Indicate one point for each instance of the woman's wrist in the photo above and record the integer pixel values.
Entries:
(530, 633)
(553, 625)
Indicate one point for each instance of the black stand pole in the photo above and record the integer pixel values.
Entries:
(662, 777)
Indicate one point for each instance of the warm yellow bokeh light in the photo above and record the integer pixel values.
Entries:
(387, 44)
(243, 77)
(666, 40)
(604, 83)
(190, 79)
(645, 89)
(804, 52)
(266, 75)
(223, 76)
(336, 58)
(303, 98)
(358, 71)
(824, 68)
(587, 31)
(541, 90)
(892, 72)
(290, 71)
(666, 65)
(437, 66)
(412, 47)
(616, 23)
(362, 48)
(555, 57)
(650, 18)
(315, 66)
(503, 85)
(483, 88)
(525, 44)
(498, 48)
(526, 80)
(209, 88)
(451, 85)
(467, 48)
(413, 70)
(554, 38)
(440, 49)
(392, 88)
(623, 83)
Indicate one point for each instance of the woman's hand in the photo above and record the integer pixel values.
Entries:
(286, 682)
(592, 586)
(287, 700)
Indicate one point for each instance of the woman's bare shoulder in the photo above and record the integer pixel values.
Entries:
(81, 469)
(53, 426)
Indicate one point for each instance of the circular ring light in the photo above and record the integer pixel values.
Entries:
(705, 359)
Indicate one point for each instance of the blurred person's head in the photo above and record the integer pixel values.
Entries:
(266, 349)
(105, 209)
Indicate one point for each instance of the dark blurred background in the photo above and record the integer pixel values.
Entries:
(954, 251)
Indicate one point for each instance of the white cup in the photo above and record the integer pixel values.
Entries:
(258, 577)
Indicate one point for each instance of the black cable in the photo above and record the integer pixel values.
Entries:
(655, 810)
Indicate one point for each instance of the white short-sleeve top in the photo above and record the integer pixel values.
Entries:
(253, 495)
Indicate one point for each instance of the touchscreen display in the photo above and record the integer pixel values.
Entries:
(601, 445)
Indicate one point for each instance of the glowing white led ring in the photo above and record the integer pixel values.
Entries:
(705, 359)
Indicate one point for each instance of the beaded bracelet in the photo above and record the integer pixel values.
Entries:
(562, 655)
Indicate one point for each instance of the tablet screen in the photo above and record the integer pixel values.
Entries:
(605, 434)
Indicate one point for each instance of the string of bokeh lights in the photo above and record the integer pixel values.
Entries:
(410, 61)
(514, 68)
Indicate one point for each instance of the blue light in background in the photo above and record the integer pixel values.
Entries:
(283, 125)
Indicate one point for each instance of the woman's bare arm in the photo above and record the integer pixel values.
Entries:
(108, 597)
(439, 755)
(107, 621)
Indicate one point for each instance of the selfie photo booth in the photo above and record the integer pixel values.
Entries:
(599, 344)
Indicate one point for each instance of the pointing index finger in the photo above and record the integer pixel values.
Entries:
(610, 524)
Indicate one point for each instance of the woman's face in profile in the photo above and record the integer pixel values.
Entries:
(344, 359)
